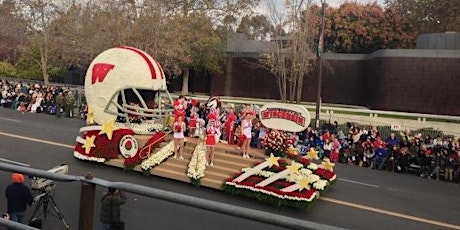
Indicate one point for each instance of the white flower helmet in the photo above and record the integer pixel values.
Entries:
(118, 79)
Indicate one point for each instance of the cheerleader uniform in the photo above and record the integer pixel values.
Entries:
(211, 133)
(179, 130)
(193, 119)
(229, 127)
(247, 128)
(179, 109)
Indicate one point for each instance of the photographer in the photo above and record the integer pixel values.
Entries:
(110, 209)
(18, 197)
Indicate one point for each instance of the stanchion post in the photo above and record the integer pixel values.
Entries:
(87, 197)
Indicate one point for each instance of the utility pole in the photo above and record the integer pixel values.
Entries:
(320, 55)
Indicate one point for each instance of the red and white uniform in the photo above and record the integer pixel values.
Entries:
(179, 109)
(229, 127)
(193, 118)
(211, 136)
(179, 127)
(214, 115)
(247, 128)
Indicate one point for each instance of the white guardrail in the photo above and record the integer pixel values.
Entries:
(402, 121)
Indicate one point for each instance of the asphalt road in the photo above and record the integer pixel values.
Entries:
(361, 199)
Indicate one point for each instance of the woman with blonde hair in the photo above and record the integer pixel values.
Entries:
(246, 131)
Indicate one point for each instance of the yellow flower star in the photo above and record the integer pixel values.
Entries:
(303, 183)
(292, 150)
(89, 143)
(108, 128)
(328, 165)
(312, 154)
(294, 167)
(272, 160)
(90, 117)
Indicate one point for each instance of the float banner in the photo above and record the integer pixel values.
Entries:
(286, 117)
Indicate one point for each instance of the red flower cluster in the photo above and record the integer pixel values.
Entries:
(276, 142)
(324, 174)
(104, 148)
(158, 137)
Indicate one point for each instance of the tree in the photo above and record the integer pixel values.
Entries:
(39, 15)
(428, 16)
(291, 58)
(358, 28)
(196, 23)
(13, 31)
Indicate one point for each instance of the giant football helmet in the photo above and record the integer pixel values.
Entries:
(119, 80)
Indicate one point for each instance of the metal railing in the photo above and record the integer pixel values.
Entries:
(88, 192)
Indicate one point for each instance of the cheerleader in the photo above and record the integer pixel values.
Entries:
(192, 125)
(179, 107)
(212, 135)
(179, 128)
(246, 131)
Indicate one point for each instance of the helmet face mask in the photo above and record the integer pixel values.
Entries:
(124, 83)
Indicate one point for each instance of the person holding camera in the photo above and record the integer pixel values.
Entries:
(18, 196)
(110, 210)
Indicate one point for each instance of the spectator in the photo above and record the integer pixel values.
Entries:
(18, 196)
(59, 104)
(380, 156)
(110, 209)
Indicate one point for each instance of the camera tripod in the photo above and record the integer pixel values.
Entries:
(46, 200)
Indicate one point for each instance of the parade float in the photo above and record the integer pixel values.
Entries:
(129, 127)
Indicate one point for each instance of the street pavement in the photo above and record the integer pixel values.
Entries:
(361, 198)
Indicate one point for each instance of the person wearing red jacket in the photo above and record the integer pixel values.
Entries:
(230, 125)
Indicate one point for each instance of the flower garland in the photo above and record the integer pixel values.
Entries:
(197, 164)
(158, 157)
(276, 142)
(144, 127)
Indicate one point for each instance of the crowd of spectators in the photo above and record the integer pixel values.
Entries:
(36, 98)
(400, 152)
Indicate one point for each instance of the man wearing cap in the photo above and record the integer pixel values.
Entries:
(18, 196)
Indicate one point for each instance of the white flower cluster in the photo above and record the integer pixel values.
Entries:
(197, 164)
(312, 166)
(313, 179)
(284, 197)
(84, 157)
(261, 173)
(146, 127)
(320, 185)
(158, 157)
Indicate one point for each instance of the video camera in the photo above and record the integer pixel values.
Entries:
(43, 184)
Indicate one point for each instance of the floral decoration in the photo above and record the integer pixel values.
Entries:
(197, 164)
(104, 148)
(158, 157)
(156, 138)
(275, 192)
(277, 143)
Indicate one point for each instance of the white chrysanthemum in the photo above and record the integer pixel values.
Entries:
(158, 157)
(320, 185)
(312, 166)
(313, 178)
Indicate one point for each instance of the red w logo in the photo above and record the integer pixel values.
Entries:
(100, 71)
